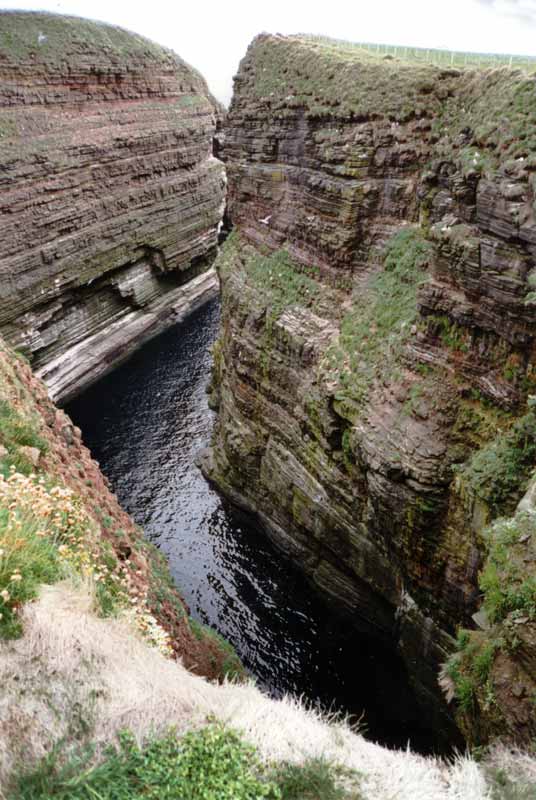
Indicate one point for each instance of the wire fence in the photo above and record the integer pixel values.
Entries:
(439, 57)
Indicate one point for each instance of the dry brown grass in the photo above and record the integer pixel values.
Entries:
(77, 676)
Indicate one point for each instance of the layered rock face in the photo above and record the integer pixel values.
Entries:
(111, 196)
(377, 350)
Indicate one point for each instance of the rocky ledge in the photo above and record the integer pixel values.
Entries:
(111, 196)
(376, 362)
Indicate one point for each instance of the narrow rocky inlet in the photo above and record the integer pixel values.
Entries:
(145, 424)
(294, 468)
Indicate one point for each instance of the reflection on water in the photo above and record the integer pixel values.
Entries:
(144, 423)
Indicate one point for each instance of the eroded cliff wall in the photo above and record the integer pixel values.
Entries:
(377, 347)
(110, 195)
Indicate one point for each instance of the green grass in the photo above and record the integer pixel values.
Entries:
(329, 79)
(508, 579)
(452, 335)
(317, 779)
(284, 282)
(45, 535)
(17, 432)
(508, 584)
(54, 38)
(26, 554)
(500, 471)
(470, 668)
(213, 763)
(333, 80)
(279, 283)
(379, 323)
(429, 55)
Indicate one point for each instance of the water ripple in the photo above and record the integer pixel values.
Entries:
(144, 423)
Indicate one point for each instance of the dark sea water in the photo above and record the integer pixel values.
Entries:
(145, 423)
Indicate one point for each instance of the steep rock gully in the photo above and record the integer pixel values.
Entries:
(144, 423)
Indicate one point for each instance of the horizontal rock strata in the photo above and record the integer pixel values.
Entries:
(90, 359)
(378, 331)
(111, 198)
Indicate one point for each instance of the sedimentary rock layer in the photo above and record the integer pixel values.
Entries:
(377, 343)
(110, 195)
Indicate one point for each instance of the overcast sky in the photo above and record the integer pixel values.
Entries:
(213, 36)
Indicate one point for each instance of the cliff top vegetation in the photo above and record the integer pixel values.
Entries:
(338, 80)
(54, 39)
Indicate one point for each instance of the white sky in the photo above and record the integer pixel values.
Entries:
(213, 35)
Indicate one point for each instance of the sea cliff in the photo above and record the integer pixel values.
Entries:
(375, 367)
(111, 196)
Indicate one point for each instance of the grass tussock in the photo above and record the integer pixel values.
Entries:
(470, 667)
(27, 560)
(508, 579)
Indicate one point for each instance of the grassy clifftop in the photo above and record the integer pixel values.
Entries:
(52, 39)
(338, 80)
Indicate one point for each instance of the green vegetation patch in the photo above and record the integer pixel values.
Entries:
(508, 579)
(55, 38)
(15, 432)
(470, 669)
(499, 107)
(27, 560)
(508, 584)
(452, 335)
(316, 779)
(280, 281)
(374, 331)
(213, 763)
(283, 282)
(499, 473)
(45, 534)
(330, 78)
